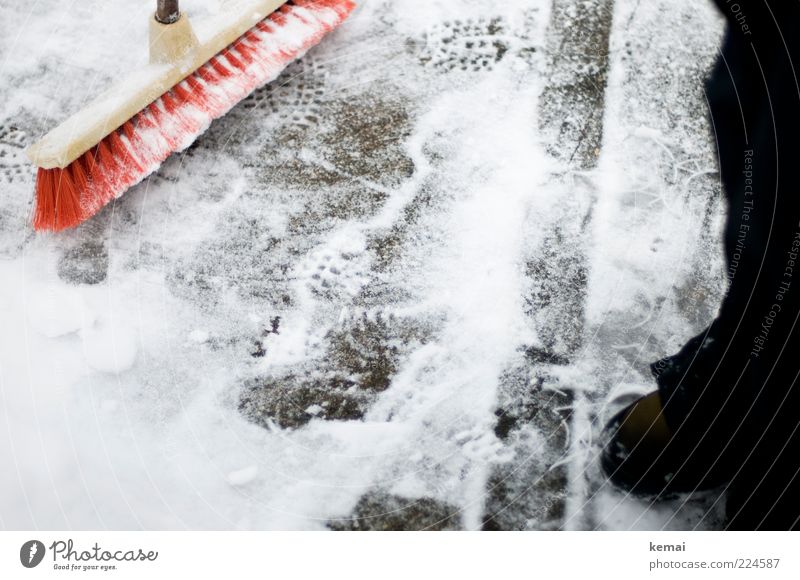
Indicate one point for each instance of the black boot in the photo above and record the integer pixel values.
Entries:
(643, 456)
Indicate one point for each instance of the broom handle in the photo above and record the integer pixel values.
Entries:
(168, 11)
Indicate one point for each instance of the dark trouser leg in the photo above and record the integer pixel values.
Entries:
(730, 389)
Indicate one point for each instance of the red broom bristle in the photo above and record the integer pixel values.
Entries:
(103, 165)
(106, 160)
(90, 161)
(66, 197)
(234, 60)
(220, 68)
(133, 143)
(130, 131)
(68, 200)
(122, 152)
(246, 54)
(206, 72)
(58, 203)
(57, 200)
(264, 27)
(181, 112)
(203, 97)
(182, 94)
(79, 176)
(169, 103)
(151, 142)
(156, 116)
(45, 214)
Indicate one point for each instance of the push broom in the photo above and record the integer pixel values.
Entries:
(195, 75)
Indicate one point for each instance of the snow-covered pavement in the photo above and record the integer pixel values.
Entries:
(401, 287)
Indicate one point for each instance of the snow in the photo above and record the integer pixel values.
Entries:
(110, 349)
(199, 336)
(243, 476)
(383, 201)
(54, 312)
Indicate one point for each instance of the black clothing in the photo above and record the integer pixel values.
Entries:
(734, 388)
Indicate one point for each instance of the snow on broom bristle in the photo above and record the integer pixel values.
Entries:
(66, 197)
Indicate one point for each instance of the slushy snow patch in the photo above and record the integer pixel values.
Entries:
(55, 312)
(110, 348)
(243, 476)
